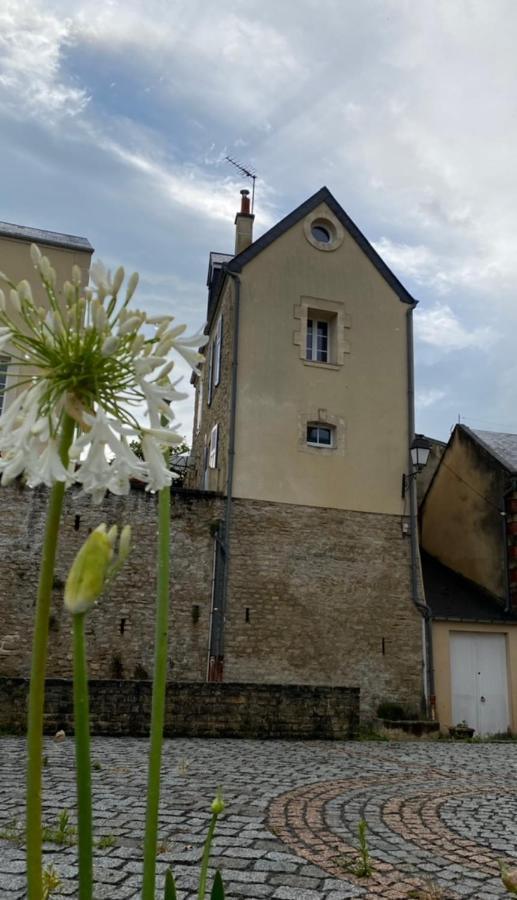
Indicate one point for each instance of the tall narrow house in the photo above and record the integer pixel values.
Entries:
(304, 420)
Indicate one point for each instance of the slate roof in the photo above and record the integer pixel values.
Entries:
(322, 196)
(40, 236)
(501, 445)
(451, 596)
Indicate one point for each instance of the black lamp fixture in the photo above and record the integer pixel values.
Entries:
(420, 450)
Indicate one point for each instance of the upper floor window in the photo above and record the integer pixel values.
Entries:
(317, 340)
(218, 339)
(4, 362)
(320, 435)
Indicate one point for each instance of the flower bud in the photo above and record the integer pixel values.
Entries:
(24, 291)
(86, 579)
(76, 276)
(35, 255)
(131, 286)
(118, 278)
(2, 301)
(218, 803)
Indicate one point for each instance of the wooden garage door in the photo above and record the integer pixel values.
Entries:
(479, 681)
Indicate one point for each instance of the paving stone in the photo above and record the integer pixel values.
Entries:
(436, 812)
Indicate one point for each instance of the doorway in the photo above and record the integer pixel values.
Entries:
(479, 681)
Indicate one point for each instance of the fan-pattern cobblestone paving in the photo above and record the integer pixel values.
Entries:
(440, 817)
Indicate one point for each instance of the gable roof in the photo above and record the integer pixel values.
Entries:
(322, 196)
(499, 444)
(40, 236)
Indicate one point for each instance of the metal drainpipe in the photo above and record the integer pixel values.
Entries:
(219, 649)
(420, 604)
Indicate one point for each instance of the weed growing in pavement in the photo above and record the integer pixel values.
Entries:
(361, 864)
(14, 832)
(63, 833)
(51, 882)
(106, 842)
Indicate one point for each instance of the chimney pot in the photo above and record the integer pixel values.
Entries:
(245, 202)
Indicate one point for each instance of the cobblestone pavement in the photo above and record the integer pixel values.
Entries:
(440, 817)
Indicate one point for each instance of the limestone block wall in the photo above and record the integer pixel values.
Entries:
(316, 596)
(192, 710)
(121, 627)
(323, 596)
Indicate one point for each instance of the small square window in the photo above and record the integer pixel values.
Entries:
(319, 435)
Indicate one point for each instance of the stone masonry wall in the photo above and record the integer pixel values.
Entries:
(120, 629)
(316, 596)
(323, 596)
(193, 710)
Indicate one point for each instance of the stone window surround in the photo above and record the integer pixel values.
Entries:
(334, 311)
(328, 221)
(323, 417)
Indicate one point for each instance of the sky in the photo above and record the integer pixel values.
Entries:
(116, 117)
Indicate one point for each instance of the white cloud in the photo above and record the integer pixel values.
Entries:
(31, 45)
(427, 397)
(439, 327)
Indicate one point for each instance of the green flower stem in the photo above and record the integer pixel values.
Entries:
(82, 761)
(37, 684)
(158, 702)
(206, 857)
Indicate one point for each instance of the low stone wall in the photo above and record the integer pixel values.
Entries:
(193, 709)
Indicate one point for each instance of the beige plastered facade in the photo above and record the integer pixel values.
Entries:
(361, 393)
(442, 665)
(16, 263)
(461, 522)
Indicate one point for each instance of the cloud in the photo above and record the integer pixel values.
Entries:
(427, 397)
(32, 42)
(440, 328)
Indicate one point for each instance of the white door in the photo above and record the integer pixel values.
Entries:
(479, 681)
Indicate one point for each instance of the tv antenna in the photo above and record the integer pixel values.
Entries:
(249, 173)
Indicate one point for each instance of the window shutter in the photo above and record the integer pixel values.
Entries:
(214, 440)
(217, 354)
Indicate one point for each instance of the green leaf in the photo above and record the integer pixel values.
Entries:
(170, 887)
(217, 888)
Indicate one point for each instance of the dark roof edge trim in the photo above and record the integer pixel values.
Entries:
(323, 196)
(49, 238)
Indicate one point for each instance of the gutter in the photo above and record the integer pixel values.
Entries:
(419, 602)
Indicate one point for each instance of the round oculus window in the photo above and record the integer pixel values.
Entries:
(320, 233)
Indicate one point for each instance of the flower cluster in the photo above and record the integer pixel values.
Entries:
(89, 356)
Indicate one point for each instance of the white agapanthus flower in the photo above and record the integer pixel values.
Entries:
(91, 357)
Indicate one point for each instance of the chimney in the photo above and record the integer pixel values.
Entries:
(243, 224)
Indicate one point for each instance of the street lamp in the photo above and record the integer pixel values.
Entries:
(420, 450)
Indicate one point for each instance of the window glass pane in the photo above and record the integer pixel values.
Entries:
(324, 436)
(312, 434)
(320, 234)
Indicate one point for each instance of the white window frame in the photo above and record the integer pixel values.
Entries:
(321, 444)
(217, 351)
(312, 352)
(214, 441)
(4, 365)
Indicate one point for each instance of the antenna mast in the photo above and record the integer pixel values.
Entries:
(249, 173)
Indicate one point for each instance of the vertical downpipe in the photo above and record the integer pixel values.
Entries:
(413, 518)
